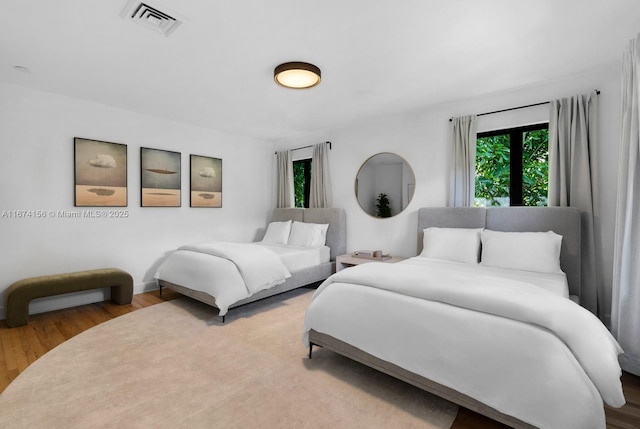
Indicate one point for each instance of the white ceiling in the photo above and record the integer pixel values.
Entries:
(377, 57)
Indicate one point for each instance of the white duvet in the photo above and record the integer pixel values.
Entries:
(229, 272)
(521, 348)
(257, 265)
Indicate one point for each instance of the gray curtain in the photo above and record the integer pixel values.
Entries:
(285, 197)
(572, 149)
(463, 161)
(625, 306)
(320, 187)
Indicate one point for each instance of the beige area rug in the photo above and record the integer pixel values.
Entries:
(173, 365)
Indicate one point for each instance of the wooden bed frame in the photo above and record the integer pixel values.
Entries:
(335, 240)
(562, 220)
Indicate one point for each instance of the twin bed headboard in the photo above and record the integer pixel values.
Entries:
(336, 218)
(561, 220)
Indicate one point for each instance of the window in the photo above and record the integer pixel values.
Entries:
(302, 182)
(512, 167)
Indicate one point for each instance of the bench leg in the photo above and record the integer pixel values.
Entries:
(17, 312)
(122, 294)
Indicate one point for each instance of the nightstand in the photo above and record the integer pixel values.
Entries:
(348, 260)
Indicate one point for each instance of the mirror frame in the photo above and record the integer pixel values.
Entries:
(407, 194)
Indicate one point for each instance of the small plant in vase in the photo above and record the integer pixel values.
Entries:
(382, 206)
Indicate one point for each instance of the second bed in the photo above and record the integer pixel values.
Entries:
(226, 275)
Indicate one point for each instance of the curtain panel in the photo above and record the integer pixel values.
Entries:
(284, 193)
(320, 187)
(573, 137)
(625, 305)
(463, 161)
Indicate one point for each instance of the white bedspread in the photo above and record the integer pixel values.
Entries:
(258, 265)
(447, 291)
(228, 272)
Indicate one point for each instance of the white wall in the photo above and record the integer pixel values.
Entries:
(36, 137)
(421, 137)
(37, 173)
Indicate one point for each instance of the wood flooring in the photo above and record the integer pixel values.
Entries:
(21, 346)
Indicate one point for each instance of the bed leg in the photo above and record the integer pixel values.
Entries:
(160, 286)
(310, 350)
(223, 318)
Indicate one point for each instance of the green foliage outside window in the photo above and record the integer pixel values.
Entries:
(298, 183)
(493, 160)
(535, 167)
(492, 169)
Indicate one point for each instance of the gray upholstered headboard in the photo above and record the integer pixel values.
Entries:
(561, 220)
(336, 218)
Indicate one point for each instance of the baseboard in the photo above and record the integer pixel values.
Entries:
(145, 287)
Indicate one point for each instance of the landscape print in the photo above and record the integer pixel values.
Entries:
(100, 173)
(206, 181)
(160, 178)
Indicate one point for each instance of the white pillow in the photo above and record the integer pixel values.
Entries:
(529, 251)
(308, 234)
(452, 244)
(278, 232)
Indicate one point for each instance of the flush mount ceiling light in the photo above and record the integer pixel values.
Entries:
(297, 75)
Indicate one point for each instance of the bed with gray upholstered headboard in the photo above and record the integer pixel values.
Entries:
(505, 341)
(219, 275)
(564, 221)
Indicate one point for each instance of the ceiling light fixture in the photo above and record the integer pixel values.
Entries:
(297, 75)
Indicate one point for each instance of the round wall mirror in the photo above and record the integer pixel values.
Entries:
(384, 185)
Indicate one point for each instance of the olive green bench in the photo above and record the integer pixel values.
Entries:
(20, 293)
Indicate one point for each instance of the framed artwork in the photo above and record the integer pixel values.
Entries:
(160, 178)
(206, 181)
(100, 173)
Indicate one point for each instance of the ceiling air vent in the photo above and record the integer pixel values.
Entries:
(150, 17)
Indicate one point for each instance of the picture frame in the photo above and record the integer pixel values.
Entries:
(206, 181)
(100, 173)
(160, 178)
